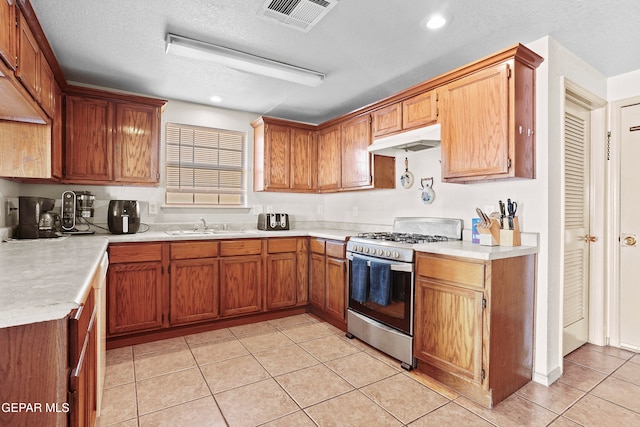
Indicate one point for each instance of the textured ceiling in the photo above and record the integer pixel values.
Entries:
(369, 49)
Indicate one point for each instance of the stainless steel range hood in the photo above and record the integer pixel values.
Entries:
(412, 140)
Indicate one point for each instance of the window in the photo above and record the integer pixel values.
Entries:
(205, 166)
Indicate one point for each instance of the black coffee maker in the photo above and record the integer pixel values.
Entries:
(35, 219)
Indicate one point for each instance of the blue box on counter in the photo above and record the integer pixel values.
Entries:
(475, 236)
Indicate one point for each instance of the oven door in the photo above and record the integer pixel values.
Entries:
(398, 313)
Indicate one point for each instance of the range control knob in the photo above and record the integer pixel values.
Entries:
(366, 250)
(379, 251)
(387, 253)
(396, 254)
(358, 248)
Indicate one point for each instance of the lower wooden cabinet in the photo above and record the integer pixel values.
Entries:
(135, 288)
(240, 285)
(328, 280)
(287, 273)
(194, 290)
(473, 326)
(83, 361)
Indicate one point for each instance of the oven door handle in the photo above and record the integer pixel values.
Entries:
(406, 267)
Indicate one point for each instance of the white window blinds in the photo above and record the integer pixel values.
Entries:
(205, 166)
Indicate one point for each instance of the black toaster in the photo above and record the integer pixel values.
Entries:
(273, 221)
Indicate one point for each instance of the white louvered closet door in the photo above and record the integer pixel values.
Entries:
(576, 220)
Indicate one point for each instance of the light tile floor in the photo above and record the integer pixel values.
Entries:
(300, 371)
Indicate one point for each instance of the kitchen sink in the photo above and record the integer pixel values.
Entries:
(201, 232)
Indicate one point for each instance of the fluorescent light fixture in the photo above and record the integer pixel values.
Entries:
(238, 60)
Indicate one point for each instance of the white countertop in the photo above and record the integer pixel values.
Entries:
(44, 279)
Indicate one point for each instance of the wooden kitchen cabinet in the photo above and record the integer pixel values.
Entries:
(83, 361)
(329, 159)
(328, 280)
(111, 138)
(194, 285)
(8, 33)
(284, 156)
(28, 69)
(241, 286)
(474, 324)
(135, 288)
(282, 275)
(57, 141)
(488, 120)
(47, 87)
(416, 111)
(356, 160)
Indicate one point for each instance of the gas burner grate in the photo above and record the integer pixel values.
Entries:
(403, 237)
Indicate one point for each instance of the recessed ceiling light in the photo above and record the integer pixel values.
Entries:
(435, 21)
(215, 98)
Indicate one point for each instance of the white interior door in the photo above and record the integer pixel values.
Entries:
(630, 227)
(576, 220)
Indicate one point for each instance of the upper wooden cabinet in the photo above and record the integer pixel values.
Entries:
(111, 138)
(284, 156)
(329, 159)
(488, 121)
(416, 111)
(28, 69)
(356, 160)
(47, 91)
(8, 45)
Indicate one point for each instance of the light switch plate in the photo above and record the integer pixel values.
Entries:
(153, 208)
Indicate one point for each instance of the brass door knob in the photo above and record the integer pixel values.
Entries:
(630, 241)
(589, 239)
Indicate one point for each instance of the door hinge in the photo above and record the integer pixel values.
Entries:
(484, 303)
(508, 163)
(169, 269)
(370, 179)
(158, 176)
(509, 72)
(609, 145)
(71, 397)
(162, 269)
(483, 374)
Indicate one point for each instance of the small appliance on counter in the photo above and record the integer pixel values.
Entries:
(77, 206)
(35, 219)
(273, 221)
(123, 216)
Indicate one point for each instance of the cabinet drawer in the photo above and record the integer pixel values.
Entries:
(187, 250)
(316, 246)
(79, 327)
(241, 247)
(132, 252)
(335, 249)
(450, 270)
(275, 246)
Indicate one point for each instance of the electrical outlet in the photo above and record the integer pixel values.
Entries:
(269, 209)
(153, 208)
(355, 211)
(320, 209)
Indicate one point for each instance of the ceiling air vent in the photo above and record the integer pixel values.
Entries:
(299, 14)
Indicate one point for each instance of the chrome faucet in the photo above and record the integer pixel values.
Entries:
(202, 225)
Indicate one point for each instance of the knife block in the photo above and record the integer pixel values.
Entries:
(511, 237)
(490, 236)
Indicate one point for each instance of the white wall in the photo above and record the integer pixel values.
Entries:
(8, 189)
(623, 86)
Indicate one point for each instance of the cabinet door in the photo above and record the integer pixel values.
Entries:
(356, 160)
(475, 125)
(8, 45)
(88, 139)
(240, 285)
(303, 160)
(419, 110)
(448, 328)
(316, 280)
(277, 157)
(134, 297)
(329, 161)
(83, 382)
(387, 120)
(28, 70)
(137, 143)
(194, 291)
(47, 91)
(282, 286)
(56, 134)
(336, 297)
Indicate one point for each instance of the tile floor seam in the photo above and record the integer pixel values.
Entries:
(470, 411)
(208, 388)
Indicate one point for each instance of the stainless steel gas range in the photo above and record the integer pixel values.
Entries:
(382, 282)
